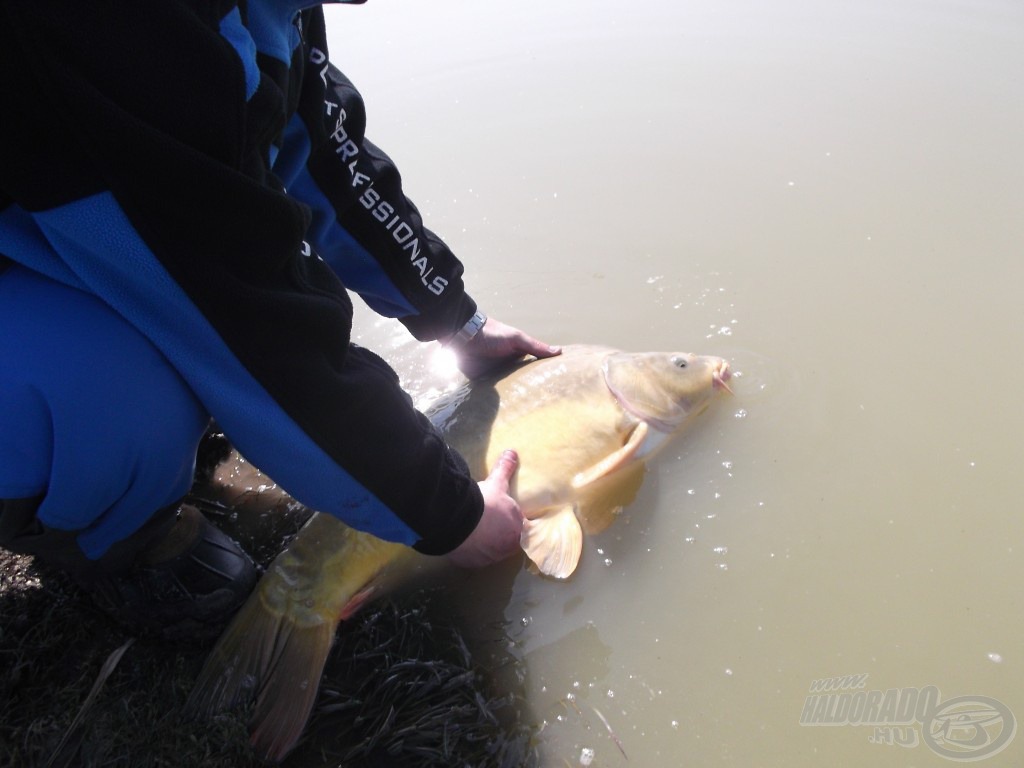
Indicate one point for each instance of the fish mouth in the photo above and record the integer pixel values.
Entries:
(720, 375)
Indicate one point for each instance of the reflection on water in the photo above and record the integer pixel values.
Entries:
(828, 194)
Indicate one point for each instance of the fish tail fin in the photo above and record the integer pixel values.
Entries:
(237, 663)
(288, 693)
(266, 656)
(554, 542)
(286, 699)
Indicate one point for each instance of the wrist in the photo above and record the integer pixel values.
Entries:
(467, 332)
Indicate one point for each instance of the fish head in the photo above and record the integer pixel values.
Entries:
(665, 389)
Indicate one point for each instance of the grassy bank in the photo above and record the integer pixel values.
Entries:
(400, 687)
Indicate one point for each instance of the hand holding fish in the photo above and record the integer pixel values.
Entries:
(496, 536)
(497, 343)
(584, 425)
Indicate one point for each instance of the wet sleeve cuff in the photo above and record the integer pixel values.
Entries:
(459, 521)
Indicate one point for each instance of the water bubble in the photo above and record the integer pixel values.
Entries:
(611, 694)
(725, 330)
(675, 725)
(607, 561)
(586, 756)
(995, 658)
(728, 672)
(741, 413)
(720, 550)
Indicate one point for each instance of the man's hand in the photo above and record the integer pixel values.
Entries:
(496, 344)
(497, 534)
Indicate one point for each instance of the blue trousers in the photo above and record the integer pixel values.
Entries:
(97, 430)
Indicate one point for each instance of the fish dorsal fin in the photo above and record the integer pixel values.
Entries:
(613, 461)
(554, 542)
(600, 509)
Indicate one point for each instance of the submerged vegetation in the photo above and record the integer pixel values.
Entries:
(400, 690)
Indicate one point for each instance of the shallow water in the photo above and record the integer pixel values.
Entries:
(831, 196)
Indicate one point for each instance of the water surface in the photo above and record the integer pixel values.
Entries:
(828, 194)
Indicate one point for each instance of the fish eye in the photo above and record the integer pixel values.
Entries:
(678, 362)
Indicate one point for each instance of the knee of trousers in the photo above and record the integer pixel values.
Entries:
(95, 425)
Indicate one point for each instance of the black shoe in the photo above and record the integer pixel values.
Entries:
(186, 586)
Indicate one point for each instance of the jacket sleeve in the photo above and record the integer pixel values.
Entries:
(135, 149)
(363, 224)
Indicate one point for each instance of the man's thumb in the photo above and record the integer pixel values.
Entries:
(505, 468)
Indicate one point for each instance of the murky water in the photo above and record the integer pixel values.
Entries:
(829, 194)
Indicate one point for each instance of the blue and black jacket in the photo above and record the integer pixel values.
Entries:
(202, 168)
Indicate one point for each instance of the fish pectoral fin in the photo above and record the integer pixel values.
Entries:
(602, 505)
(554, 542)
(613, 461)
